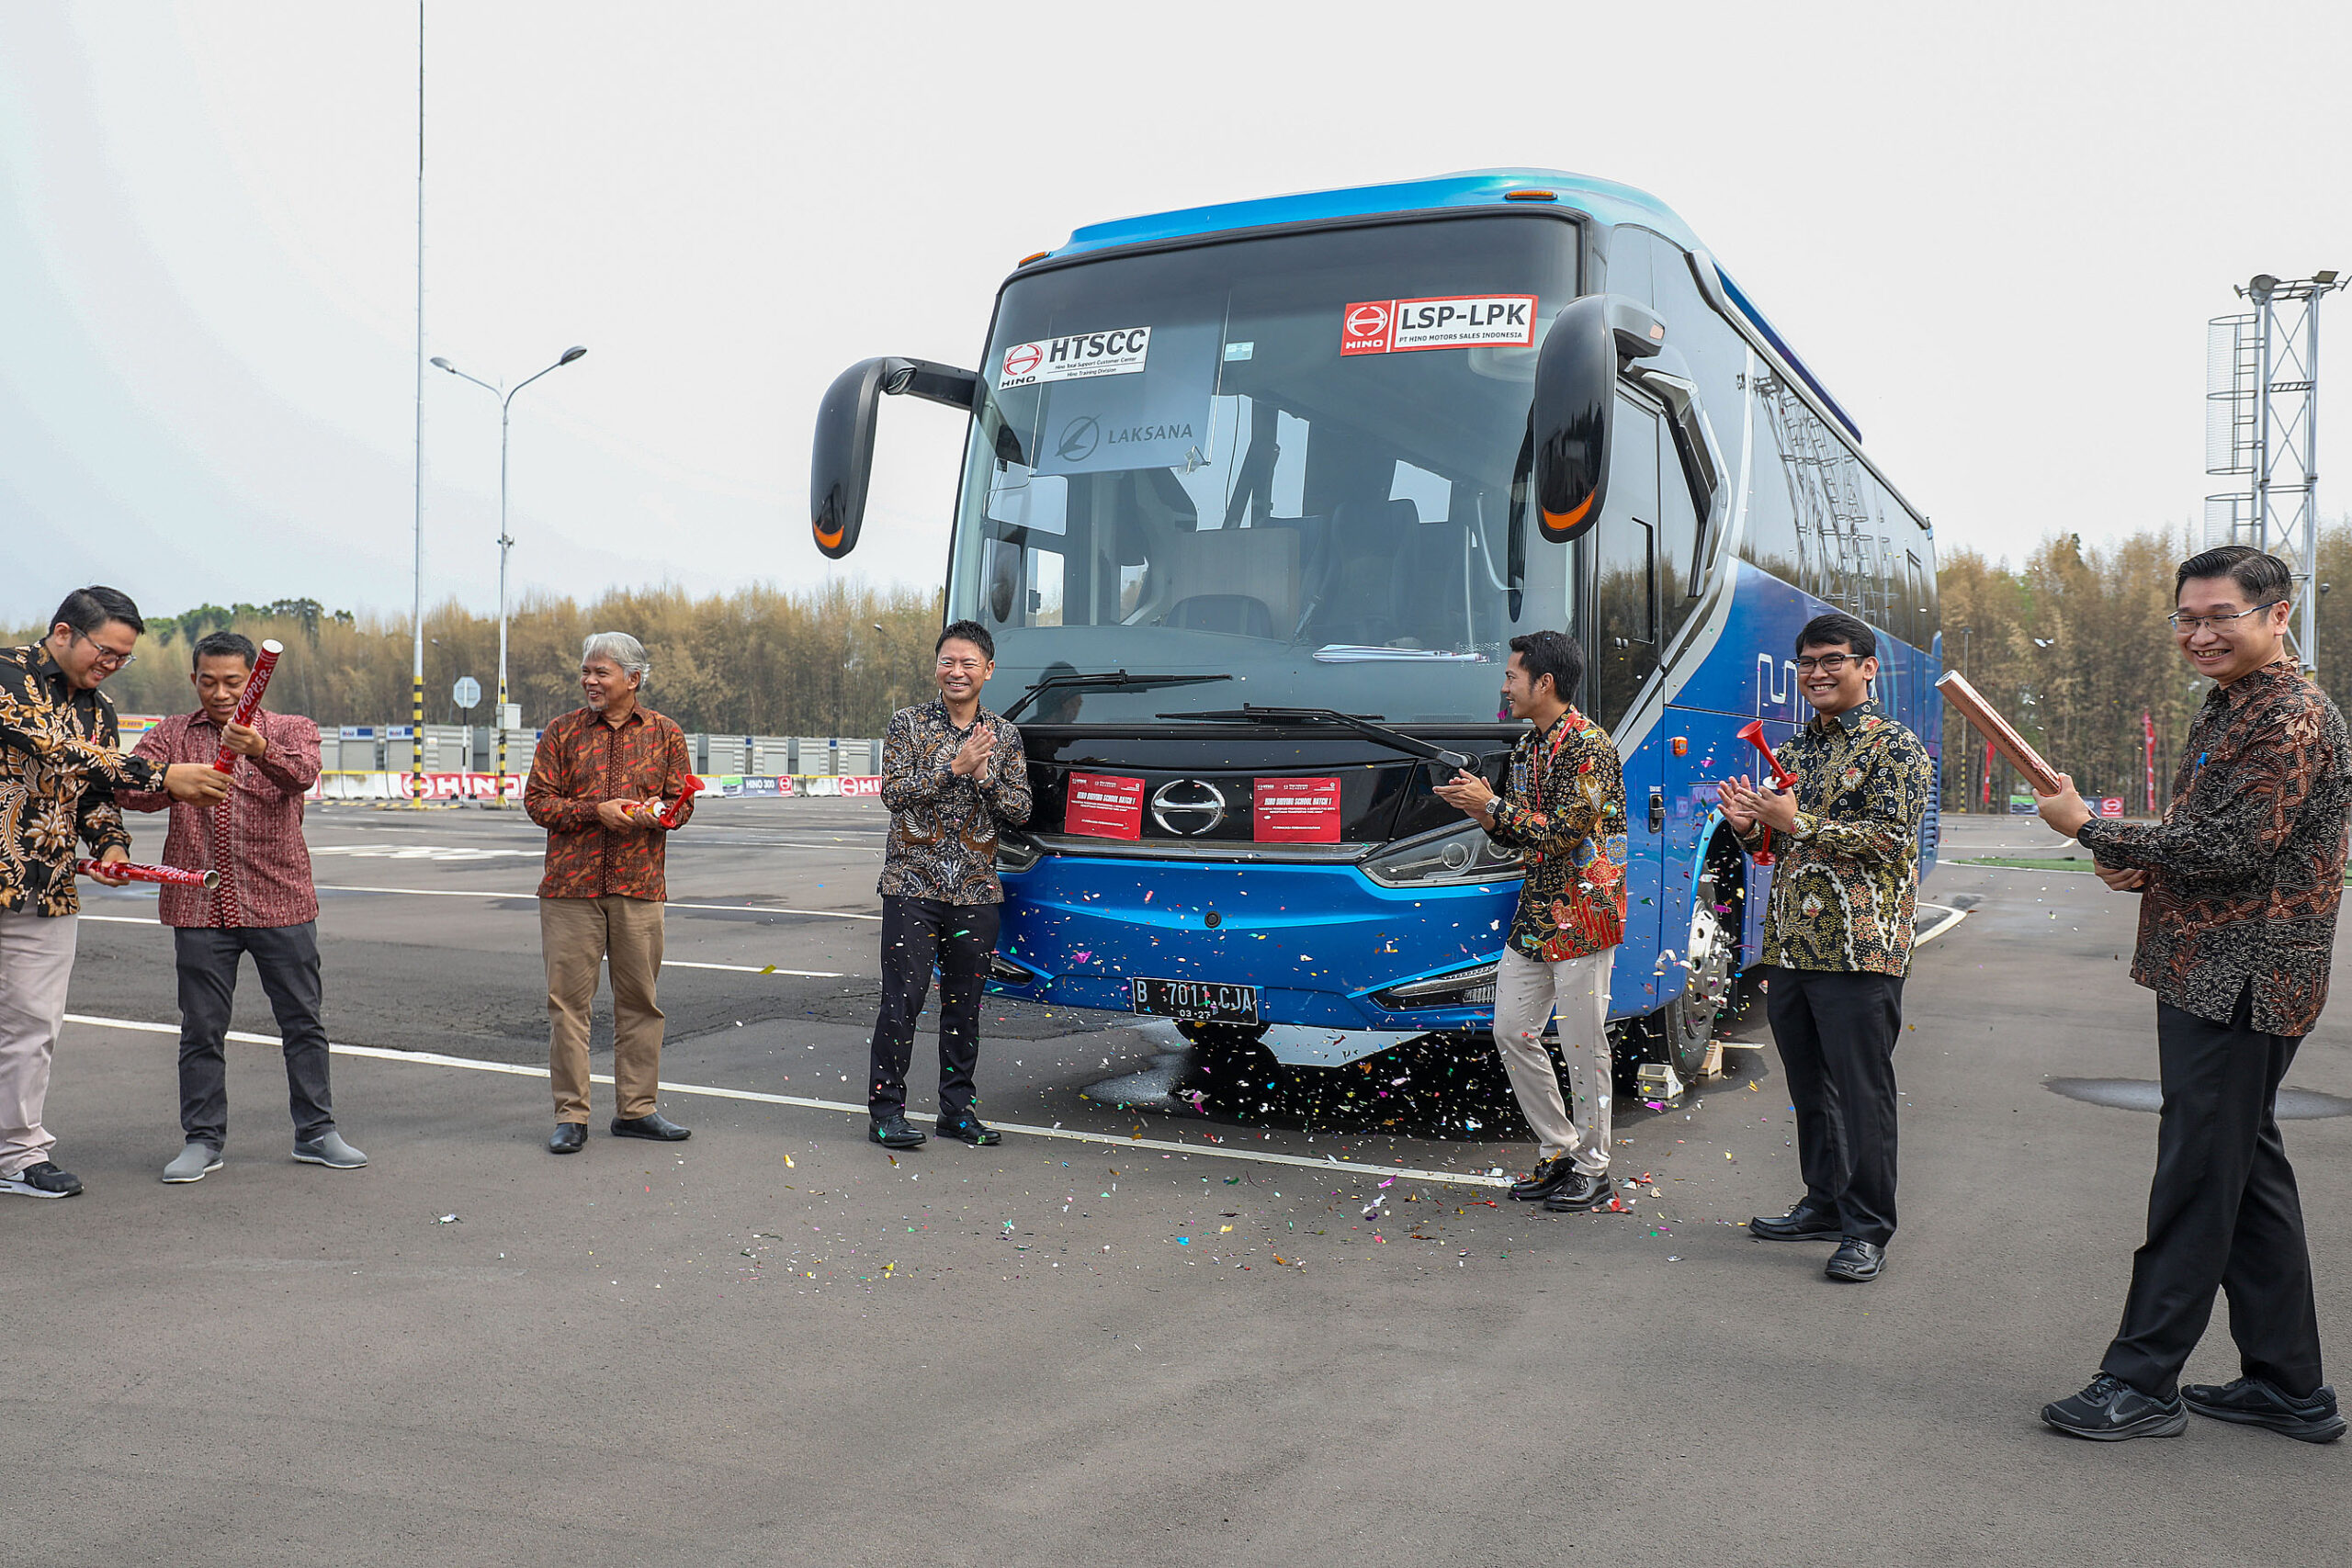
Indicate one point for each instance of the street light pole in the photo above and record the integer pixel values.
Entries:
(505, 540)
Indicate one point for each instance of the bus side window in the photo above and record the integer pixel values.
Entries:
(1625, 568)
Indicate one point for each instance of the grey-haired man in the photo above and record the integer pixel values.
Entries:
(600, 780)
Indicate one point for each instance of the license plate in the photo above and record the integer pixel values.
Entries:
(1194, 1000)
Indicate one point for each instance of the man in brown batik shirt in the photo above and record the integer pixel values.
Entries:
(2239, 886)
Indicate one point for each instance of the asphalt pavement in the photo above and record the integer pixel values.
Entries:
(1187, 1319)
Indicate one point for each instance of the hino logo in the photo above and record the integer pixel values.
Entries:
(1188, 808)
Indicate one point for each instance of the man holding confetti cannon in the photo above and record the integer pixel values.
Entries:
(61, 763)
(1845, 847)
(598, 782)
(259, 900)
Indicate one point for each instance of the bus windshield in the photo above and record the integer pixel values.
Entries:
(1297, 461)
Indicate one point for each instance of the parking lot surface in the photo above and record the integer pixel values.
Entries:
(1188, 1318)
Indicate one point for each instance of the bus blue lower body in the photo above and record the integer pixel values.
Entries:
(1324, 945)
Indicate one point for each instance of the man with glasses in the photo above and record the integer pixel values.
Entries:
(953, 775)
(1837, 938)
(2239, 886)
(61, 763)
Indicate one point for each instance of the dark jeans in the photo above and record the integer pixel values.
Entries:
(918, 934)
(2222, 1211)
(287, 959)
(1836, 1032)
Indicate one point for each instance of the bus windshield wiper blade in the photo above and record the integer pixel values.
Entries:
(1361, 723)
(1104, 678)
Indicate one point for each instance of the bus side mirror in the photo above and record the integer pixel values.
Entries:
(1576, 393)
(842, 465)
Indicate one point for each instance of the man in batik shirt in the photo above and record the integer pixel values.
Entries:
(61, 763)
(1563, 807)
(1837, 938)
(2239, 887)
(953, 776)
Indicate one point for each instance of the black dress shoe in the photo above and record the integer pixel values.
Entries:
(2251, 1401)
(1809, 1220)
(1856, 1261)
(653, 1124)
(1547, 1178)
(895, 1132)
(968, 1128)
(1584, 1195)
(570, 1138)
(2110, 1410)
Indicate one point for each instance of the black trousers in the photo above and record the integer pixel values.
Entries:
(2222, 1211)
(287, 959)
(916, 935)
(1836, 1032)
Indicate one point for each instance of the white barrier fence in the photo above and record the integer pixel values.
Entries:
(380, 785)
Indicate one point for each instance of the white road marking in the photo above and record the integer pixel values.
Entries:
(1951, 918)
(1108, 1139)
(534, 897)
(120, 919)
(756, 969)
(422, 852)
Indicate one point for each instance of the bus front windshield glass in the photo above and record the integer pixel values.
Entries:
(1299, 461)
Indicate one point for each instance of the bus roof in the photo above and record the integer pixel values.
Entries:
(1606, 200)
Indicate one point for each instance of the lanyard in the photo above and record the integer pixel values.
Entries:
(1537, 773)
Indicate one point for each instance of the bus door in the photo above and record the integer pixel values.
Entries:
(1627, 629)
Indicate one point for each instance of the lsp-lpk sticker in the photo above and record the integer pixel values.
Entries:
(1447, 321)
(1076, 357)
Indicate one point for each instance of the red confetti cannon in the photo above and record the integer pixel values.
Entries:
(670, 813)
(1753, 733)
(177, 876)
(254, 687)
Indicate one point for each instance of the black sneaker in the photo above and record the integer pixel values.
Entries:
(2253, 1402)
(1547, 1178)
(968, 1128)
(2110, 1410)
(895, 1132)
(42, 1181)
(1588, 1192)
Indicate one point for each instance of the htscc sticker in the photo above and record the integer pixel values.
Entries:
(1074, 358)
(1450, 321)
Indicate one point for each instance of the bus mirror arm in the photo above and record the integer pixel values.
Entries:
(1588, 345)
(842, 465)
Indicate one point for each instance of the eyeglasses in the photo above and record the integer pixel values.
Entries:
(2195, 623)
(969, 666)
(108, 658)
(1828, 663)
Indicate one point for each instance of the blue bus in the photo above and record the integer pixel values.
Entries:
(1255, 497)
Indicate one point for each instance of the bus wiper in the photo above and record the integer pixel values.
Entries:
(1104, 678)
(1361, 723)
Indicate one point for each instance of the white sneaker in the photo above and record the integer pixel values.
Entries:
(329, 1149)
(194, 1163)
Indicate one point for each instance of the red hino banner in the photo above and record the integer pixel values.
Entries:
(1105, 807)
(1295, 811)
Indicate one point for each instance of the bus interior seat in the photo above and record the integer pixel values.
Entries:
(1367, 537)
(1240, 613)
(1427, 587)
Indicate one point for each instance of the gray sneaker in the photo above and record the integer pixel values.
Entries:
(194, 1163)
(329, 1149)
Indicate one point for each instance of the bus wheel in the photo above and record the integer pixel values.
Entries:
(1686, 1026)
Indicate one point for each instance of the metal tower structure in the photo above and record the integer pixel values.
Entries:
(2262, 422)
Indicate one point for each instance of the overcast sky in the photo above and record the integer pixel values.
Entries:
(1995, 232)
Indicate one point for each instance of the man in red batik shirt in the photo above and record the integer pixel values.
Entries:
(599, 779)
(263, 906)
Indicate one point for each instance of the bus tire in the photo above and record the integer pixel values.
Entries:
(1685, 1027)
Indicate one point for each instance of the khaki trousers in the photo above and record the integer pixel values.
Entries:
(35, 962)
(1526, 992)
(577, 937)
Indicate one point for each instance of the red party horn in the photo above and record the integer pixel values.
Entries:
(254, 687)
(1753, 733)
(670, 813)
(176, 876)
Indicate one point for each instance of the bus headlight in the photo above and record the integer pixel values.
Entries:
(1474, 986)
(1450, 855)
(1015, 852)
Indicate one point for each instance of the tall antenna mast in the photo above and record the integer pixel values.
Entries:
(2262, 422)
